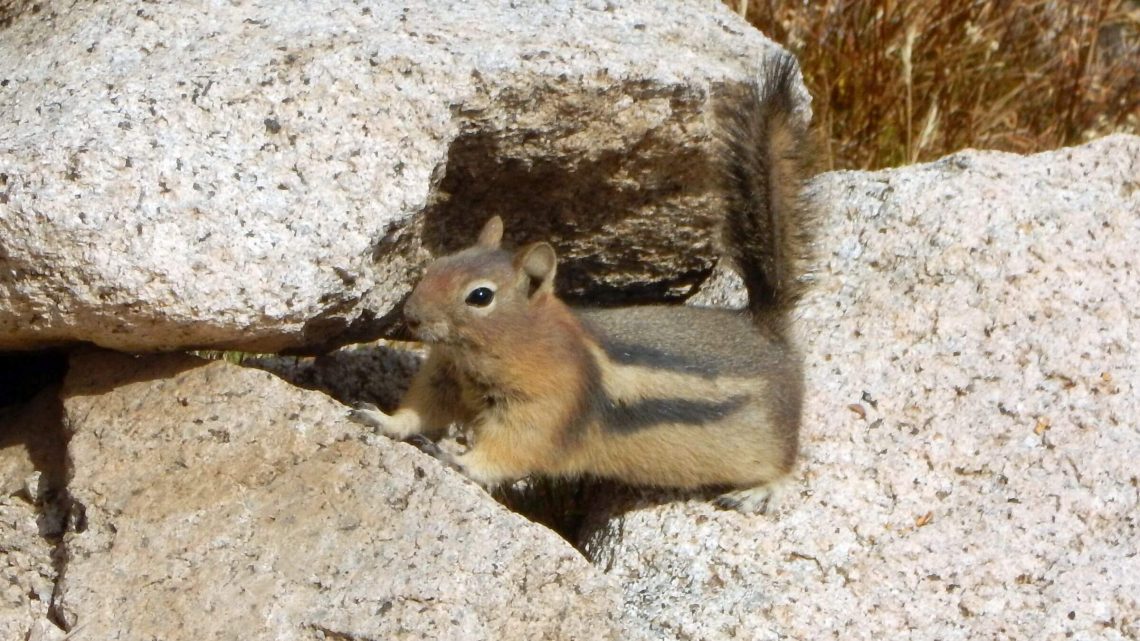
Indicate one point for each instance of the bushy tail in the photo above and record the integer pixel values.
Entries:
(769, 224)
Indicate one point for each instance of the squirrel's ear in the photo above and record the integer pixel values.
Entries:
(538, 262)
(492, 233)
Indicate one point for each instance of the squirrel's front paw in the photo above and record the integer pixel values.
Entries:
(368, 414)
(389, 425)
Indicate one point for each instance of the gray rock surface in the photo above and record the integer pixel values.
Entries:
(223, 503)
(971, 434)
(271, 174)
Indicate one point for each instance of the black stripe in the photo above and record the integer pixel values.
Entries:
(645, 356)
(624, 418)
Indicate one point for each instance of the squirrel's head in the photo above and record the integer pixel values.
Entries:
(473, 296)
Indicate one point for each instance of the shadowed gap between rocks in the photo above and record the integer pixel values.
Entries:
(24, 374)
(609, 213)
(32, 420)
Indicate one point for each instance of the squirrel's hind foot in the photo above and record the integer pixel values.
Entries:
(753, 500)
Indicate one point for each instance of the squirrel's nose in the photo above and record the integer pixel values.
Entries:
(412, 321)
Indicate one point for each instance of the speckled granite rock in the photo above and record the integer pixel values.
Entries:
(225, 174)
(972, 430)
(11, 10)
(223, 503)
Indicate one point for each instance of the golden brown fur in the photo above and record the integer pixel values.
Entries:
(659, 396)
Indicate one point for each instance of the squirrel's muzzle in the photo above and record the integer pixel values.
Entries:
(412, 320)
(423, 326)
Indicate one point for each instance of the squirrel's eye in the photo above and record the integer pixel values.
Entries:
(480, 296)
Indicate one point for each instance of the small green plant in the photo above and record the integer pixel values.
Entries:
(216, 355)
(899, 82)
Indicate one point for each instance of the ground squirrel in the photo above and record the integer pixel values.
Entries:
(662, 396)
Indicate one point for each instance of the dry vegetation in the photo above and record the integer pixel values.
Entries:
(903, 81)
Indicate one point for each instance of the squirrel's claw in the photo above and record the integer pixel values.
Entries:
(432, 449)
(426, 445)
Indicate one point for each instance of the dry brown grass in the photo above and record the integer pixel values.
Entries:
(898, 82)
